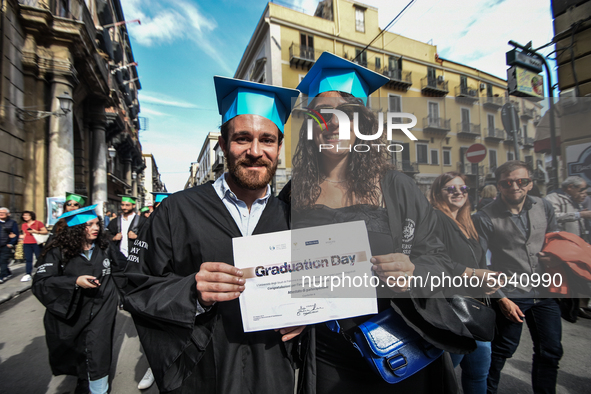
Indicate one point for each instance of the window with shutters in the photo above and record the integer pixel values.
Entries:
(360, 19)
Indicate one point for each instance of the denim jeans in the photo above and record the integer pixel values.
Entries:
(5, 255)
(543, 320)
(99, 386)
(475, 367)
(29, 249)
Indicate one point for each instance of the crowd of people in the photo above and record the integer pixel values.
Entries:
(172, 266)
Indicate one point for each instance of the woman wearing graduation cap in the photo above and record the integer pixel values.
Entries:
(74, 283)
(333, 183)
(73, 202)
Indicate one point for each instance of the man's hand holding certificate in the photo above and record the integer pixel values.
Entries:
(305, 276)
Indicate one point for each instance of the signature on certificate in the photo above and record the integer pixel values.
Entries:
(308, 309)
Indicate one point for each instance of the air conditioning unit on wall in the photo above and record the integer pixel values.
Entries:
(440, 79)
(568, 98)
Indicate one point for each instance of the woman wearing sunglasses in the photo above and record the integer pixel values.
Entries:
(74, 284)
(449, 197)
(335, 183)
(73, 202)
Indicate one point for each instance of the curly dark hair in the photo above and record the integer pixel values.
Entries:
(71, 241)
(363, 172)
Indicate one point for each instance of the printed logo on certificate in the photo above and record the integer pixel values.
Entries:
(305, 276)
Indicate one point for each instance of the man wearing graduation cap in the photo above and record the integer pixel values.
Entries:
(182, 286)
(126, 227)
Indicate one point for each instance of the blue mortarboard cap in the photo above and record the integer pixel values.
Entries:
(159, 196)
(331, 72)
(80, 216)
(238, 97)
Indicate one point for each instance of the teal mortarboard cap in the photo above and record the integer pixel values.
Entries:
(159, 196)
(80, 199)
(80, 216)
(331, 72)
(238, 97)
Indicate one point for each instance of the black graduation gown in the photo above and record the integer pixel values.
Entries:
(187, 229)
(114, 228)
(78, 322)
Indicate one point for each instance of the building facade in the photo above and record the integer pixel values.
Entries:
(572, 34)
(207, 161)
(79, 50)
(455, 105)
(150, 182)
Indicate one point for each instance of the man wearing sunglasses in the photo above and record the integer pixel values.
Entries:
(513, 228)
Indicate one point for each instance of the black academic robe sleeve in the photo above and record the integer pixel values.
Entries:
(160, 286)
(58, 293)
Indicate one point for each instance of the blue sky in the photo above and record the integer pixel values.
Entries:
(181, 44)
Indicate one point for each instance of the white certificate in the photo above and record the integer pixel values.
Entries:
(305, 276)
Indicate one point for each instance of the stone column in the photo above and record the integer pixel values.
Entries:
(61, 143)
(99, 164)
(134, 187)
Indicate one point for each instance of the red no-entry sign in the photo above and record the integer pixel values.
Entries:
(476, 153)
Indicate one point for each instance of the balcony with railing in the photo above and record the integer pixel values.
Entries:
(528, 142)
(493, 103)
(434, 86)
(399, 79)
(302, 56)
(218, 163)
(466, 94)
(528, 113)
(468, 130)
(408, 167)
(436, 125)
(493, 135)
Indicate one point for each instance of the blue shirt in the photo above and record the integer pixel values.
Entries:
(245, 220)
(89, 253)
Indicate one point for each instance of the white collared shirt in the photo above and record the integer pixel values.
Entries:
(245, 220)
(125, 224)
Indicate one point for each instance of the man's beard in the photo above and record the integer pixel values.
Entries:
(245, 179)
(513, 201)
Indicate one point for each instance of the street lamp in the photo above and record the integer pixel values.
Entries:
(112, 152)
(65, 100)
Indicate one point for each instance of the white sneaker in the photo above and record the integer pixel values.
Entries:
(147, 380)
(26, 278)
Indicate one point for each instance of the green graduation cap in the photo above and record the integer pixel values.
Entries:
(144, 209)
(80, 199)
(331, 72)
(80, 216)
(159, 196)
(127, 198)
(238, 97)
